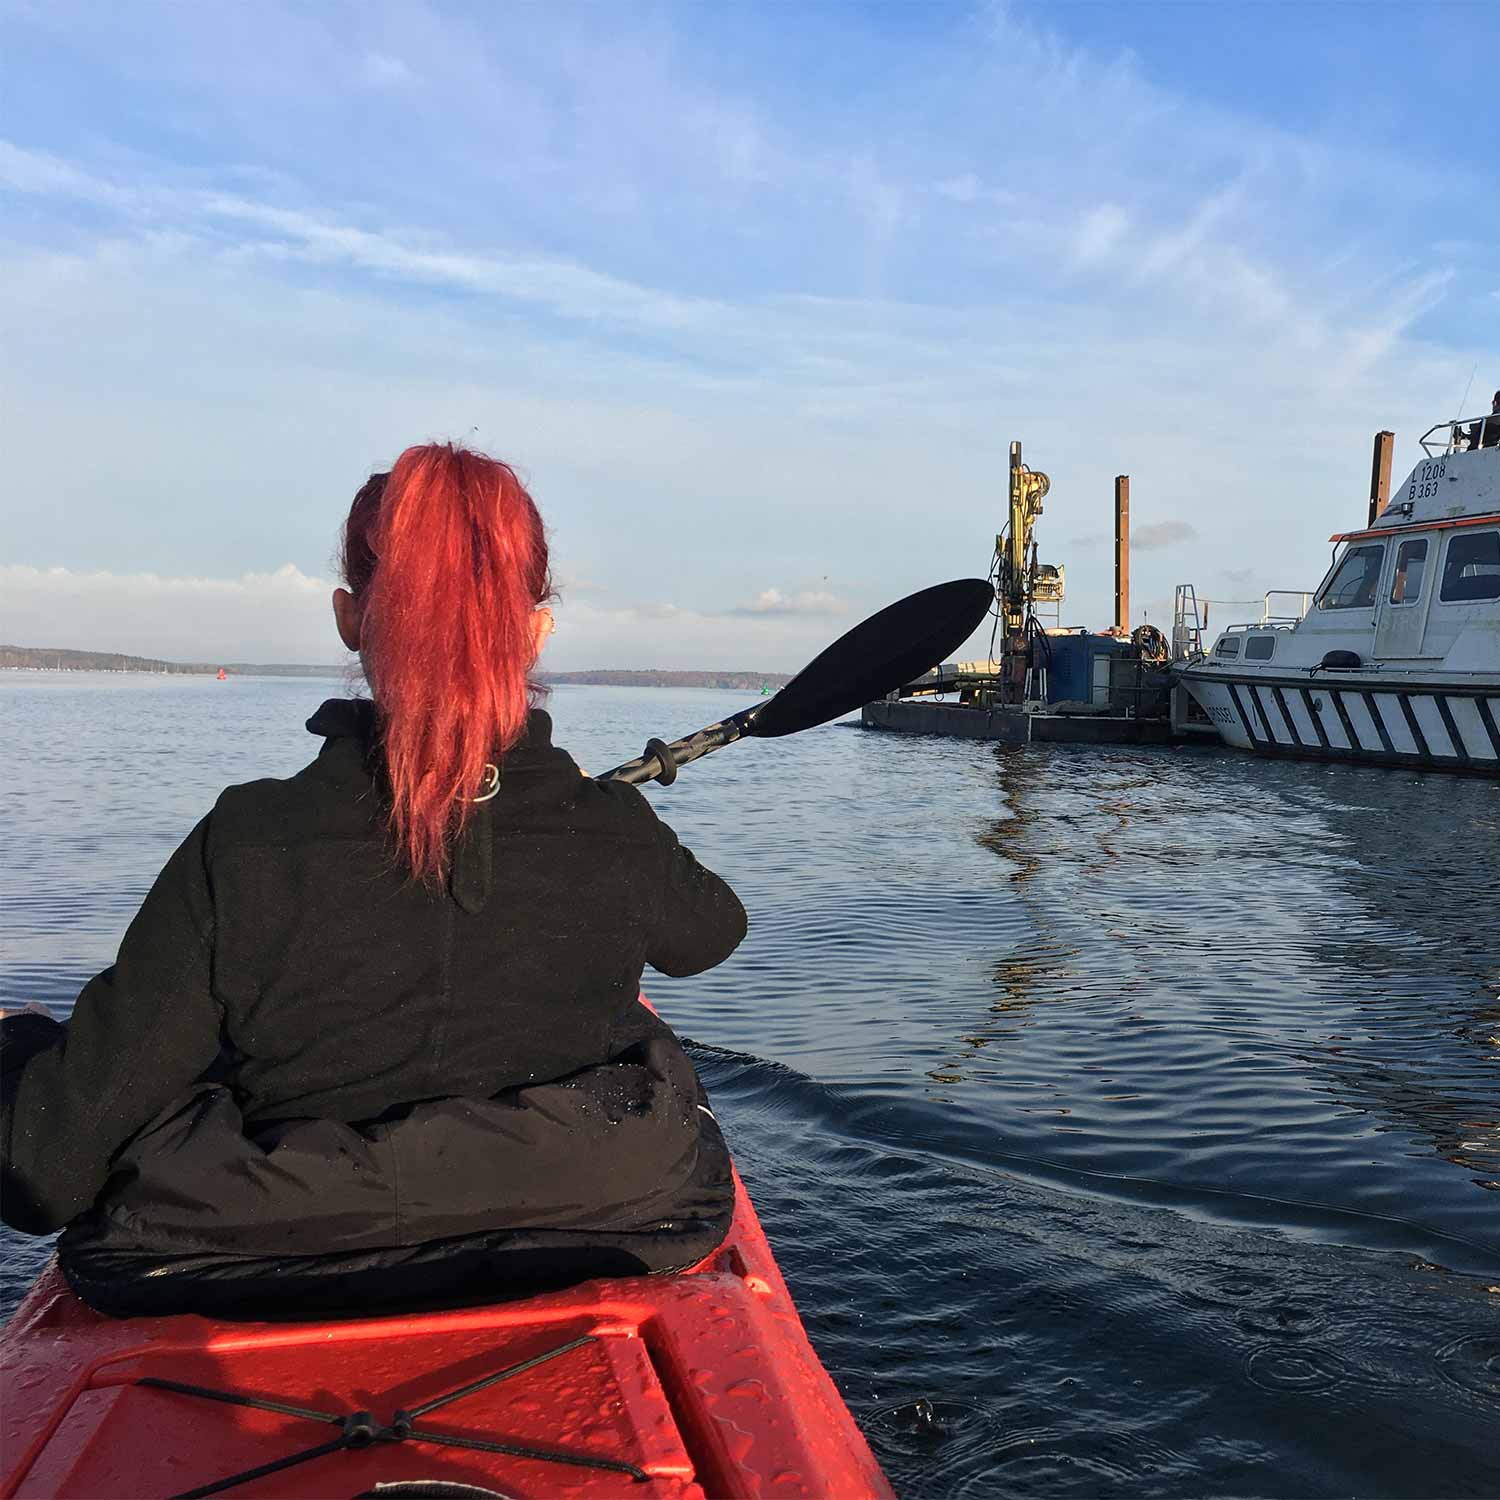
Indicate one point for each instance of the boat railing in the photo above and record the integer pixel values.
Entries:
(1459, 435)
(1240, 627)
(1280, 609)
(1273, 616)
(1269, 615)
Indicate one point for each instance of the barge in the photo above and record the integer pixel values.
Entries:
(1049, 684)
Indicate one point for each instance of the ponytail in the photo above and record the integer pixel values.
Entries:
(447, 556)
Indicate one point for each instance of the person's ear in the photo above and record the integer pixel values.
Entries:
(347, 613)
(542, 625)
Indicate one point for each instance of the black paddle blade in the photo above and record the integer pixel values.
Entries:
(883, 653)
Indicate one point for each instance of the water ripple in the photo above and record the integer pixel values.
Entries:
(1138, 1110)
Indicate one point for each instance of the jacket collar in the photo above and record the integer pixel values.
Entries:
(344, 718)
(354, 718)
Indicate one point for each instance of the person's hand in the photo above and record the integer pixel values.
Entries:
(31, 1008)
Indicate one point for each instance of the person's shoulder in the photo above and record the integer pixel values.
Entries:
(331, 794)
(274, 810)
(616, 798)
(619, 810)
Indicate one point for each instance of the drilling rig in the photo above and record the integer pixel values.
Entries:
(1021, 582)
(1043, 680)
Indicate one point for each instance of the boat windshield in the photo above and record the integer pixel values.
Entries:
(1356, 580)
(1473, 568)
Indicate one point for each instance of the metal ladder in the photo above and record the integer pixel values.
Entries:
(1187, 624)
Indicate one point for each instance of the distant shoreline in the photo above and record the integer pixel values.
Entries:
(60, 659)
(740, 682)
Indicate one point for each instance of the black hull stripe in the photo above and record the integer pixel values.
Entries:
(1260, 708)
(1446, 714)
(1263, 739)
(1345, 720)
(1350, 682)
(1373, 709)
(1418, 738)
(1379, 758)
(1488, 719)
(1245, 719)
(1316, 717)
(1286, 714)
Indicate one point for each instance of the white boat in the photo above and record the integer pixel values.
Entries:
(1397, 661)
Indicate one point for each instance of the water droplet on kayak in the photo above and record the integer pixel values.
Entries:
(755, 1390)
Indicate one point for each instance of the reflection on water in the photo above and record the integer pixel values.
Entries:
(1138, 1110)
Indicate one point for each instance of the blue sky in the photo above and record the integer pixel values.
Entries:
(755, 295)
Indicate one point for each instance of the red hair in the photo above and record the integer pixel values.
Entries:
(447, 557)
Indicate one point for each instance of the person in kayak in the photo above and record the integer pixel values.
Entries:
(374, 1037)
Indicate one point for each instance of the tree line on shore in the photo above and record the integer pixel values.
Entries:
(61, 659)
(56, 658)
(743, 682)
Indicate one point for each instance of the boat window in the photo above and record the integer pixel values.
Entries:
(1260, 647)
(1473, 567)
(1228, 646)
(1411, 564)
(1357, 580)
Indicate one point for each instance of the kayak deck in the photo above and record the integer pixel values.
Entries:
(701, 1384)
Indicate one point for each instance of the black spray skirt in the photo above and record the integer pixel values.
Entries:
(618, 1170)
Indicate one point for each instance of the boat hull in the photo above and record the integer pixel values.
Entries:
(703, 1382)
(1427, 724)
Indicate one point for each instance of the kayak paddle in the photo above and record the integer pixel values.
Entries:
(882, 653)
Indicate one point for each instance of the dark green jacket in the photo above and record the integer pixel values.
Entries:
(281, 952)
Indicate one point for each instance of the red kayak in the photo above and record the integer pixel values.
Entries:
(699, 1385)
(696, 1385)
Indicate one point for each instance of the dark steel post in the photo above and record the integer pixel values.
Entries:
(1380, 475)
(1122, 554)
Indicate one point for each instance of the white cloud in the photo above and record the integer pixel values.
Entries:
(732, 137)
(1162, 534)
(962, 189)
(878, 198)
(666, 636)
(286, 582)
(730, 337)
(286, 233)
(806, 602)
(40, 173)
(967, 188)
(282, 615)
(1100, 232)
(562, 286)
(1168, 251)
(576, 584)
(846, 435)
(379, 70)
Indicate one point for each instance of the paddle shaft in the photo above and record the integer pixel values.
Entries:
(649, 767)
(890, 648)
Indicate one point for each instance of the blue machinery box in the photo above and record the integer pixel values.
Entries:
(1078, 668)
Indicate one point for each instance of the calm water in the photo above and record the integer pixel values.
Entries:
(1139, 1108)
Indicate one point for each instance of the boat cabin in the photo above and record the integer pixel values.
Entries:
(1395, 658)
(1421, 584)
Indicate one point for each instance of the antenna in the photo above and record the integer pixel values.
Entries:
(1467, 389)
